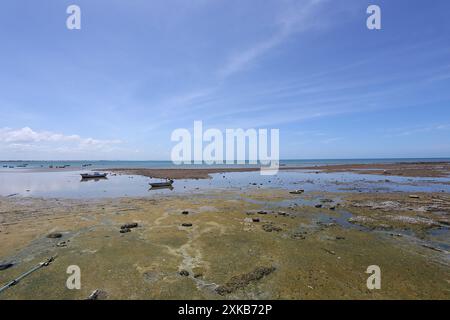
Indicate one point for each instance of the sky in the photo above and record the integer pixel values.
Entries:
(137, 70)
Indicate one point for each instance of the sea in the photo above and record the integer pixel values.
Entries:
(105, 164)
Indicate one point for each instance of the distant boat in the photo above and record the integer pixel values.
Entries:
(166, 184)
(95, 175)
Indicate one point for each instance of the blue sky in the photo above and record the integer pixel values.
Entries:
(137, 70)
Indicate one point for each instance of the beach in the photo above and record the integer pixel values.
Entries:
(309, 232)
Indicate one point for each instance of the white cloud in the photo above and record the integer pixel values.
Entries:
(28, 140)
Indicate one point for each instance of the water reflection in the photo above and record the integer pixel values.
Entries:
(67, 184)
(93, 179)
(161, 188)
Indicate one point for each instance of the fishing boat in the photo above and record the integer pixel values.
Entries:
(166, 184)
(95, 175)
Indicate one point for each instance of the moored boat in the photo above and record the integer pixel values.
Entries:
(95, 175)
(165, 184)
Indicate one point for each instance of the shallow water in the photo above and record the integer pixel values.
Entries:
(68, 184)
(103, 164)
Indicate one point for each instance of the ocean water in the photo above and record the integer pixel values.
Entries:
(87, 164)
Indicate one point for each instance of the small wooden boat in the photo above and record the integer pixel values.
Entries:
(95, 175)
(166, 184)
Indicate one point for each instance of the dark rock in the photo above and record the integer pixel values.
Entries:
(262, 212)
(255, 219)
(129, 226)
(54, 235)
(332, 208)
(184, 273)
(186, 224)
(125, 230)
(185, 212)
(61, 244)
(318, 206)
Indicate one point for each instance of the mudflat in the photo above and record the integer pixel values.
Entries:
(407, 169)
(230, 244)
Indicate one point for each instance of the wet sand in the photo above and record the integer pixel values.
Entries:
(234, 244)
(175, 173)
(406, 169)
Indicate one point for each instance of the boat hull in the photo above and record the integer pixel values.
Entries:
(93, 176)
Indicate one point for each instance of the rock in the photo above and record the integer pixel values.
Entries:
(340, 238)
(332, 208)
(125, 230)
(54, 235)
(98, 295)
(297, 191)
(282, 213)
(184, 273)
(5, 266)
(318, 206)
(243, 280)
(186, 224)
(198, 275)
(61, 244)
(129, 226)
(329, 251)
(396, 235)
(255, 219)
(413, 196)
(270, 227)
(262, 212)
(185, 212)
(298, 236)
